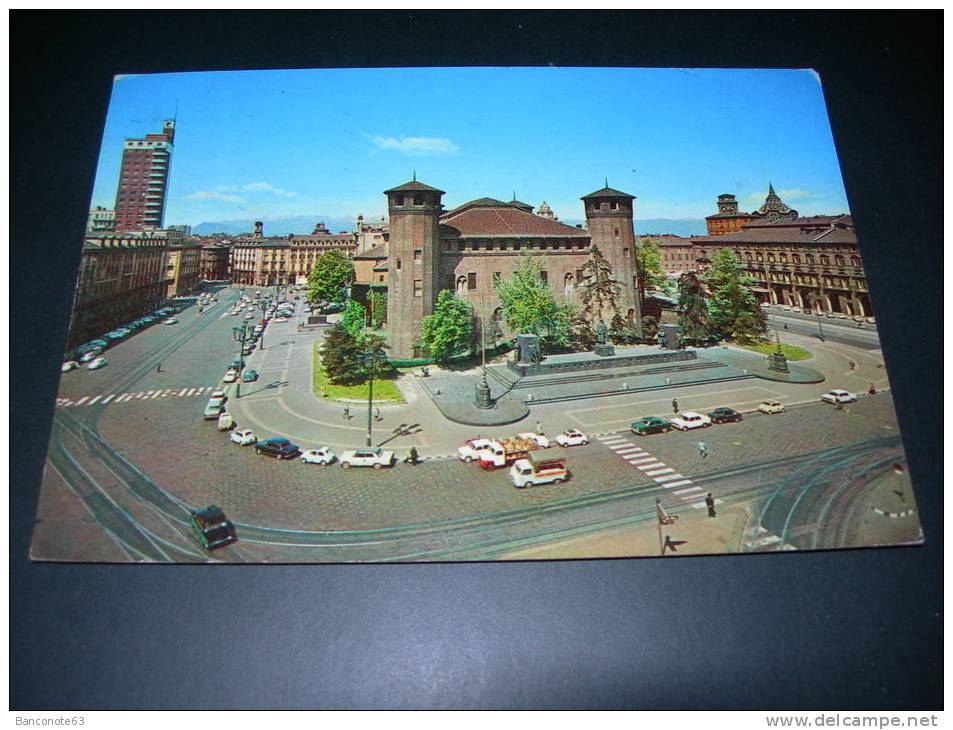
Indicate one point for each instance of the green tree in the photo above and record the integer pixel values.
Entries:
(692, 307)
(528, 305)
(377, 303)
(562, 327)
(600, 292)
(353, 318)
(447, 331)
(648, 260)
(649, 326)
(331, 273)
(339, 355)
(733, 309)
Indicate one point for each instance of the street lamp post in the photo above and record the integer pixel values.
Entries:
(240, 334)
(815, 300)
(264, 308)
(370, 359)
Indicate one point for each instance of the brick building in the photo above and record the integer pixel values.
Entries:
(143, 180)
(467, 248)
(269, 261)
(213, 262)
(676, 253)
(811, 263)
(121, 277)
(728, 219)
(182, 268)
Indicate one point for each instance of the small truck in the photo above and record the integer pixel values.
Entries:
(503, 452)
(538, 470)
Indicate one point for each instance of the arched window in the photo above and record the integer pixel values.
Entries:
(497, 315)
(568, 285)
(855, 261)
(796, 258)
(783, 258)
(825, 261)
(839, 260)
(771, 257)
(461, 285)
(810, 259)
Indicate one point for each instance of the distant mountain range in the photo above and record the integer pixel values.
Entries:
(303, 224)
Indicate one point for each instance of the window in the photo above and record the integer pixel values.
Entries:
(398, 264)
(418, 288)
(399, 200)
(471, 281)
(417, 254)
(615, 206)
(578, 275)
(497, 276)
(461, 284)
(825, 261)
(544, 275)
(810, 259)
(418, 200)
(616, 232)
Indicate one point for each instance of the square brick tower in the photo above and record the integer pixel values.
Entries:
(413, 262)
(143, 180)
(609, 220)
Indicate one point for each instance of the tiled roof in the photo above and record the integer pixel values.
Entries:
(486, 218)
(608, 192)
(378, 252)
(519, 204)
(814, 229)
(412, 186)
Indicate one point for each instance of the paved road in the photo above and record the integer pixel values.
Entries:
(136, 463)
(846, 332)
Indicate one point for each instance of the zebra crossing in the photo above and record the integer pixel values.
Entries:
(113, 398)
(664, 475)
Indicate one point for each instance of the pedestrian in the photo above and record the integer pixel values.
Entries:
(412, 456)
(539, 428)
(785, 326)
(871, 390)
(702, 450)
(674, 405)
(347, 413)
(851, 364)
(377, 414)
(159, 368)
(710, 503)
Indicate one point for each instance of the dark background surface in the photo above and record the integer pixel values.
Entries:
(848, 629)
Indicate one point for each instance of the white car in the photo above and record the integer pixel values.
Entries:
(281, 319)
(249, 316)
(690, 419)
(771, 406)
(171, 320)
(473, 449)
(91, 355)
(572, 437)
(537, 438)
(220, 393)
(230, 376)
(378, 458)
(795, 309)
(838, 396)
(70, 365)
(323, 456)
(243, 436)
(99, 362)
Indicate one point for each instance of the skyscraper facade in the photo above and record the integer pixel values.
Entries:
(143, 180)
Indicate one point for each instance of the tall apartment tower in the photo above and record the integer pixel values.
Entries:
(609, 220)
(143, 180)
(413, 261)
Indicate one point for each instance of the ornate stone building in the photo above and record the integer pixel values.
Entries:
(182, 268)
(468, 248)
(213, 262)
(728, 219)
(271, 261)
(812, 263)
(121, 277)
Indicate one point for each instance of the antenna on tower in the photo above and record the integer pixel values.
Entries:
(607, 182)
(415, 176)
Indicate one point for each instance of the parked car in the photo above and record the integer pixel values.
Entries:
(250, 375)
(322, 455)
(377, 458)
(280, 318)
(725, 415)
(213, 528)
(473, 449)
(689, 420)
(99, 362)
(92, 345)
(90, 355)
(243, 436)
(650, 424)
(249, 316)
(537, 438)
(771, 406)
(235, 364)
(220, 393)
(280, 448)
(838, 396)
(231, 375)
(69, 365)
(572, 437)
(171, 320)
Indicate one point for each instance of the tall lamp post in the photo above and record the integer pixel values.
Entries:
(240, 334)
(814, 298)
(264, 308)
(370, 359)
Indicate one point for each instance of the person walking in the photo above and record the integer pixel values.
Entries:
(674, 406)
(702, 450)
(871, 390)
(539, 428)
(347, 413)
(377, 414)
(710, 503)
(412, 456)
(159, 368)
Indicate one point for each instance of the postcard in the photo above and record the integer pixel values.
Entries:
(470, 314)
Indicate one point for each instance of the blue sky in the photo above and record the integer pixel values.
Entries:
(267, 144)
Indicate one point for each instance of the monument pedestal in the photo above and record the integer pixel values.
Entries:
(604, 349)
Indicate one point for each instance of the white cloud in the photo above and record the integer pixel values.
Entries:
(213, 195)
(415, 145)
(256, 187)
